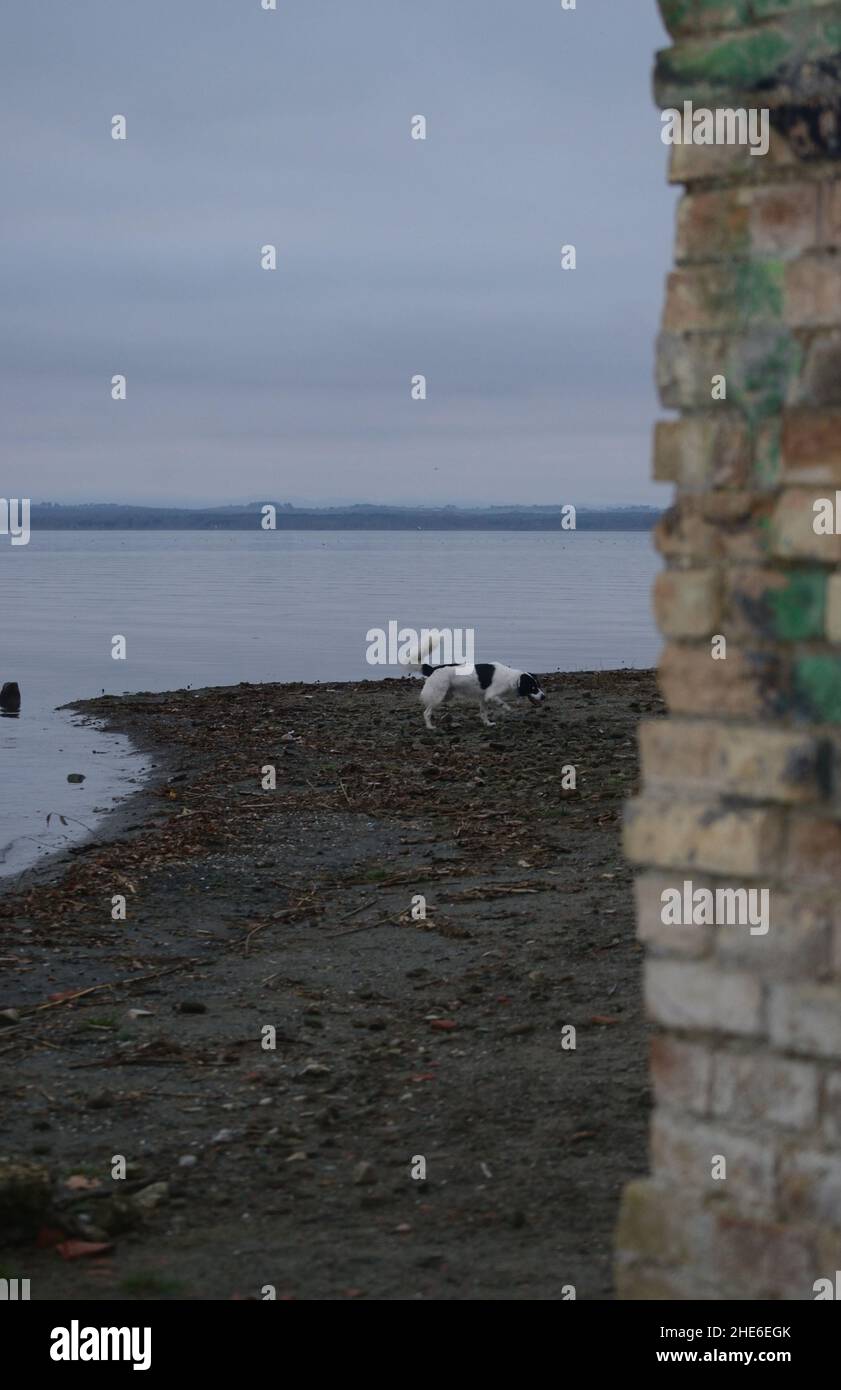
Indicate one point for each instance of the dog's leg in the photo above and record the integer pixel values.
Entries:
(484, 716)
(427, 718)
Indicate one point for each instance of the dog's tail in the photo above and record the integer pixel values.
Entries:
(416, 659)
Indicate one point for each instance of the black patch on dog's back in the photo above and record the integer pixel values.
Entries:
(484, 673)
(427, 670)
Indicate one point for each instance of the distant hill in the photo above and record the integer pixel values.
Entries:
(113, 516)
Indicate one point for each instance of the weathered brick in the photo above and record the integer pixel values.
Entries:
(813, 851)
(818, 383)
(831, 1112)
(833, 608)
(782, 605)
(816, 681)
(692, 941)
(713, 225)
(762, 367)
(690, 164)
(718, 525)
(811, 446)
(751, 61)
(812, 292)
(681, 17)
(655, 1225)
(805, 1019)
(703, 834)
(783, 219)
(700, 453)
(793, 534)
(830, 214)
(763, 1260)
(728, 298)
(683, 1152)
(693, 995)
(687, 603)
(756, 763)
(797, 945)
(681, 1073)
(755, 1089)
(745, 684)
(810, 1187)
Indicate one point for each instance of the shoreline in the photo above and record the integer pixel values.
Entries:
(396, 1035)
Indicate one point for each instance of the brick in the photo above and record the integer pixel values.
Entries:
(683, 1151)
(702, 758)
(745, 685)
(830, 214)
(684, 532)
(763, 1260)
(793, 534)
(700, 453)
(713, 225)
(681, 1073)
(690, 164)
(819, 382)
(780, 221)
(797, 945)
(813, 851)
(812, 292)
(692, 941)
(810, 1187)
(831, 1112)
(811, 446)
(687, 602)
(680, 17)
(781, 605)
(761, 364)
(769, 9)
(693, 995)
(727, 298)
(755, 1090)
(783, 220)
(805, 1019)
(653, 1224)
(703, 834)
(716, 525)
(816, 683)
(833, 608)
(752, 62)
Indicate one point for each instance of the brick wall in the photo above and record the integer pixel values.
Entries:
(742, 783)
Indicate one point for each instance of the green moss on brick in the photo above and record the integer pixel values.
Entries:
(798, 609)
(765, 9)
(817, 682)
(736, 63)
(761, 387)
(683, 16)
(768, 453)
(758, 289)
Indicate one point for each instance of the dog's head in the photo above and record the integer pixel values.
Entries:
(529, 686)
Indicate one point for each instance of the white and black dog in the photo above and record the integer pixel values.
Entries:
(488, 683)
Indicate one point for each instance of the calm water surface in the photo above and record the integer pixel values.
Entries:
(214, 608)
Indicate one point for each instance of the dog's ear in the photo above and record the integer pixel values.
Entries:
(526, 685)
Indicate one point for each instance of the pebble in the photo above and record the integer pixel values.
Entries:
(364, 1173)
(187, 1161)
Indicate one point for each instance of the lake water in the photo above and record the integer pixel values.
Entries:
(213, 608)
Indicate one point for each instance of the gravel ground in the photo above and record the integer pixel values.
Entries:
(423, 1127)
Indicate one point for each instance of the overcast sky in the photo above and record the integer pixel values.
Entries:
(395, 256)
